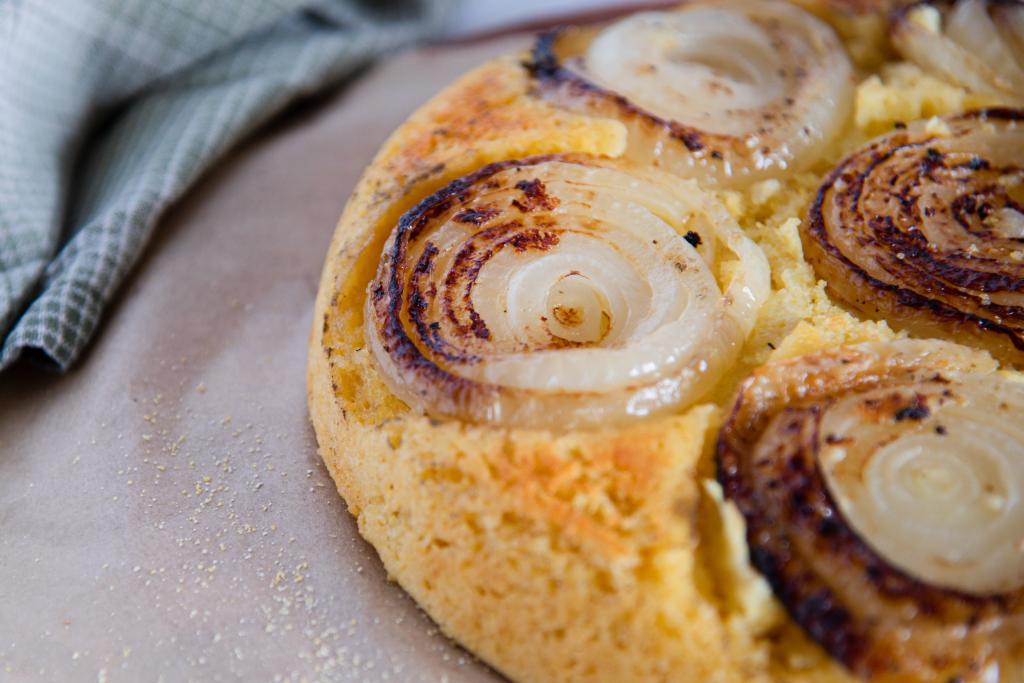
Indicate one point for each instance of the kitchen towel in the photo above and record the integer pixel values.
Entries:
(111, 109)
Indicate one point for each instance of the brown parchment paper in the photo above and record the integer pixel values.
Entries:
(164, 515)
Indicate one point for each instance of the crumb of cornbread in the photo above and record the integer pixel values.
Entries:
(603, 556)
(902, 92)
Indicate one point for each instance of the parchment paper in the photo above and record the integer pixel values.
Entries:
(164, 515)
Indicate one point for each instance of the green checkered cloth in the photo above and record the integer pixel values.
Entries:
(111, 109)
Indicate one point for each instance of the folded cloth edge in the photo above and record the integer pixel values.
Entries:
(158, 144)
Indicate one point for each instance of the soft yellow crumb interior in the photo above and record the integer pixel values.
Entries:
(605, 495)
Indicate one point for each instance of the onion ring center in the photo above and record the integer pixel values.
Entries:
(932, 478)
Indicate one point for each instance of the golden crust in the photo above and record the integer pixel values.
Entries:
(591, 556)
(553, 558)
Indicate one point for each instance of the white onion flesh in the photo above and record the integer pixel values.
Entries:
(978, 44)
(1010, 20)
(755, 88)
(705, 60)
(882, 485)
(611, 316)
(940, 496)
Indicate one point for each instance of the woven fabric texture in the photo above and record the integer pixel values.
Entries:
(111, 109)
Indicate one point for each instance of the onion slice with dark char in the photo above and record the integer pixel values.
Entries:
(729, 92)
(924, 228)
(978, 44)
(883, 490)
(562, 293)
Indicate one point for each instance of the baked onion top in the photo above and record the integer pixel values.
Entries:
(978, 44)
(562, 292)
(729, 92)
(883, 490)
(924, 228)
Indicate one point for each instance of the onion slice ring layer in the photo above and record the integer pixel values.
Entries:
(729, 92)
(924, 228)
(883, 490)
(562, 292)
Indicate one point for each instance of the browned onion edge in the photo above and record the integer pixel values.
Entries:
(387, 298)
(545, 67)
(899, 295)
(808, 599)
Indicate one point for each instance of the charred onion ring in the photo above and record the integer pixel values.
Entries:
(562, 292)
(978, 44)
(883, 490)
(924, 228)
(729, 92)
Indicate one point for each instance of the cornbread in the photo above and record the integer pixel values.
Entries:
(605, 555)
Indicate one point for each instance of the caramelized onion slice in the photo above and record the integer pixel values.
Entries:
(562, 292)
(937, 489)
(882, 489)
(925, 228)
(978, 44)
(731, 91)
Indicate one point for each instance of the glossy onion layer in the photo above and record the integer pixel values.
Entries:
(883, 490)
(924, 228)
(976, 43)
(562, 292)
(728, 92)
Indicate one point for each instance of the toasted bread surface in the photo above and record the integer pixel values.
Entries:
(593, 555)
